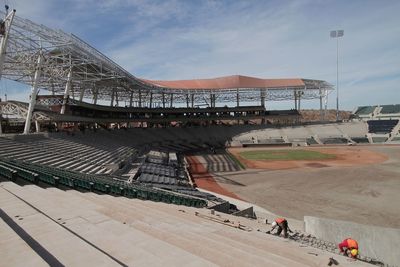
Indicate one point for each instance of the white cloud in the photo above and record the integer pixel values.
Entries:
(183, 39)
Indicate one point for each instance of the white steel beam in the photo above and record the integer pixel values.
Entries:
(37, 126)
(66, 91)
(82, 94)
(4, 39)
(33, 93)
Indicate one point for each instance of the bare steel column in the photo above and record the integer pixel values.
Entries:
(4, 40)
(32, 102)
(66, 91)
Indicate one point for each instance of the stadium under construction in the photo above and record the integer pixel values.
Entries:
(104, 168)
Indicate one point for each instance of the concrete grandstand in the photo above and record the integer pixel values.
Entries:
(110, 169)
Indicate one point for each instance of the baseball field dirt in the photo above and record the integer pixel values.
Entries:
(204, 179)
(319, 157)
(360, 184)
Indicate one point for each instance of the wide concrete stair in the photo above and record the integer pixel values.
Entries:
(72, 228)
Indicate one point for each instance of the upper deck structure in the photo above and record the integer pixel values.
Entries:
(61, 63)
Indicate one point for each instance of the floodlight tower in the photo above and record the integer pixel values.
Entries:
(337, 34)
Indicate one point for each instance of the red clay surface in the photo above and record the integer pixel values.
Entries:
(345, 156)
(205, 180)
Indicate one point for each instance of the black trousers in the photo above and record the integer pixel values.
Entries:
(283, 226)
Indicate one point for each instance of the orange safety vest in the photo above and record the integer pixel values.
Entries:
(280, 220)
(352, 244)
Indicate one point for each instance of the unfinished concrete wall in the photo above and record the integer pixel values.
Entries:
(375, 242)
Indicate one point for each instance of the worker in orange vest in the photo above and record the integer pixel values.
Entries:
(349, 247)
(282, 225)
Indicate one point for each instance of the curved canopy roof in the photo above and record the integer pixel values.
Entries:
(229, 82)
(69, 60)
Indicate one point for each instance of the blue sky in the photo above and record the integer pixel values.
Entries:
(268, 39)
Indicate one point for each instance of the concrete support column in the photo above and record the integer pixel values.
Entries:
(212, 100)
(151, 99)
(66, 91)
(140, 99)
(187, 100)
(32, 102)
(95, 92)
(321, 113)
(172, 100)
(131, 99)
(82, 93)
(116, 98)
(299, 100)
(192, 100)
(37, 126)
(295, 99)
(262, 98)
(237, 97)
(163, 99)
(326, 103)
(112, 98)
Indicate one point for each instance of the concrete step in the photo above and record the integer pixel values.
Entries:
(128, 245)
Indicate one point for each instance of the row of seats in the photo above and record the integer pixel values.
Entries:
(360, 140)
(63, 153)
(190, 191)
(57, 177)
(160, 179)
(158, 169)
(311, 141)
(334, 140)
(384, 109)
(390, 109)
(169, 176)
(364, 110)
(271, 141)
(381, 126)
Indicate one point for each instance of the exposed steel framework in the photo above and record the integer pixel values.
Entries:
(62, 63)
(95, 76)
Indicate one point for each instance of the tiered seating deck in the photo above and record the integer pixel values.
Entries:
(390, 109)
(381, 126)
(365, 110)
(13, 169)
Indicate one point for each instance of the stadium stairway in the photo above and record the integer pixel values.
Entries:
(316, 138)
(75, 229)
(219, 162)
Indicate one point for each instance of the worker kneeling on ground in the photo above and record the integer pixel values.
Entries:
(282, 225)
(349, 247)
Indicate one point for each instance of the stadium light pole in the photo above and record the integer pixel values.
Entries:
(337, 34)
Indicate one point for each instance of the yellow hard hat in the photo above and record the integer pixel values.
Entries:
(354, 252)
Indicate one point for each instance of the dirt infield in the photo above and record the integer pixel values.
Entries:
(344, 156)
(205, 180)
(361, 184)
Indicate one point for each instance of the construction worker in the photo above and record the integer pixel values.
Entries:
(349, 247)
(282, 225)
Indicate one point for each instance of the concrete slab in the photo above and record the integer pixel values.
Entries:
(101, 230)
